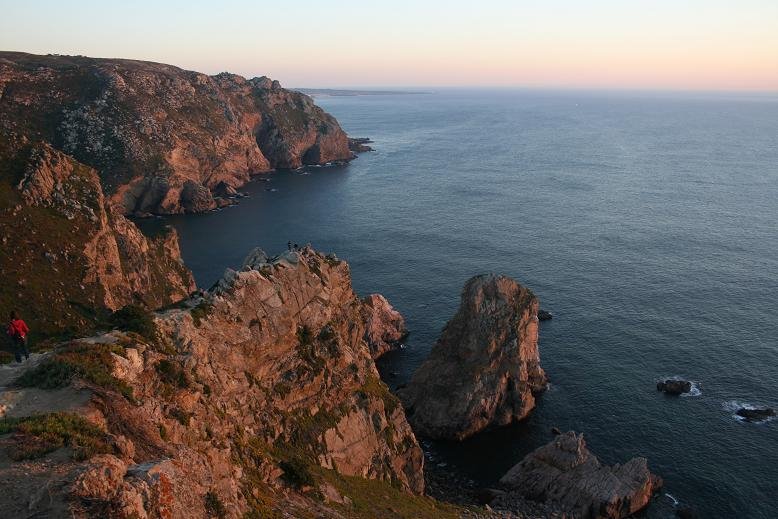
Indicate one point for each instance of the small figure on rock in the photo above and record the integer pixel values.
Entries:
(18, 330)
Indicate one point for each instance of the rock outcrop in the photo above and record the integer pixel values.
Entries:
(756, 414)
(161, 138)
(67, 255)
(261, 387)
(384, 326)
(565, 475)
(674, 386)
(485, 367)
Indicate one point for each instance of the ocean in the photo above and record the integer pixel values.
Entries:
(647, 223)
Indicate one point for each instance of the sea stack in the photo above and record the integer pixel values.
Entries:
(566, 476)
(485, 367)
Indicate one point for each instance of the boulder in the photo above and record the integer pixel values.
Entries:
(567, 476)
(196, 198)
(384, 326)
(674, 387)
(757, 414)
(544, 315)
(485, 367)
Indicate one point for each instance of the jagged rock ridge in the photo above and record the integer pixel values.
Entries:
(245, 392)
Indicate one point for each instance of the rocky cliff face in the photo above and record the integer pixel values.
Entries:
(566, 476)
(162, 139)
(67, 254)
(384, 326)
(253, 399)
(485, 367)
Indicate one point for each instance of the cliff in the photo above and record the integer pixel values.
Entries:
(384, 326)
(485, 367)
(67, 257)
(260, 397)
(162, 139)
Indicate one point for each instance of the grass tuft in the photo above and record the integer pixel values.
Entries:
(90, 362)
(36, 436)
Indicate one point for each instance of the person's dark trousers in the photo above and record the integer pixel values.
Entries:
(20, 348)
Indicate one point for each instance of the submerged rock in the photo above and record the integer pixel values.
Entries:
(567, 476)
(485, 367)
(757, 414)
(674, 387)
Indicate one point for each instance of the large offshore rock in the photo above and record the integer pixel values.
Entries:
(565, 475)
(485, 367)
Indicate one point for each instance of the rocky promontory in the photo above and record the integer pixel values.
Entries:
(567, 477)
(260, 387)
(162, 139)
(485, 367)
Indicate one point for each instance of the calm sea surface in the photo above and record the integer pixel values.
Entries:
(647, 223)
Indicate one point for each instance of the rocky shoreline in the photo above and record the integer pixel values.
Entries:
(260, 396)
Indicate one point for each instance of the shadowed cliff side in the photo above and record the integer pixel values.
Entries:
(163, 139)
(67, 257)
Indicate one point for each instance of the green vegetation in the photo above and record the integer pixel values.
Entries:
(6, 357)
(297, 472)
(373, 387)
(36, 436)
(90, 362)
(307, 350)
(372, 498)
(201, 312)
(135, 318)
(172, 374)
(214, 506)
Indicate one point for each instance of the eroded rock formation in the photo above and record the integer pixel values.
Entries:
(384, 326)
(161, 138)
(485, 367)
(67, 254)
(564, 475)
(263, 384)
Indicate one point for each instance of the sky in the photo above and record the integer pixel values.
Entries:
(658, 44)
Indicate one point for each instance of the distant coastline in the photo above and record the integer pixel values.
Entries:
(337, 92)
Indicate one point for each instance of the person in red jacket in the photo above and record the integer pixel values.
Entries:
(18, 330)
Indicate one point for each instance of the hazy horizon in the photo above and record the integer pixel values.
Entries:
(698, 46)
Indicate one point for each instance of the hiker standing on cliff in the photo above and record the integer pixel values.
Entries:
(18, 330)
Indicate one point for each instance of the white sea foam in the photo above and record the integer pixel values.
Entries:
(733, 405)
(672, 498)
